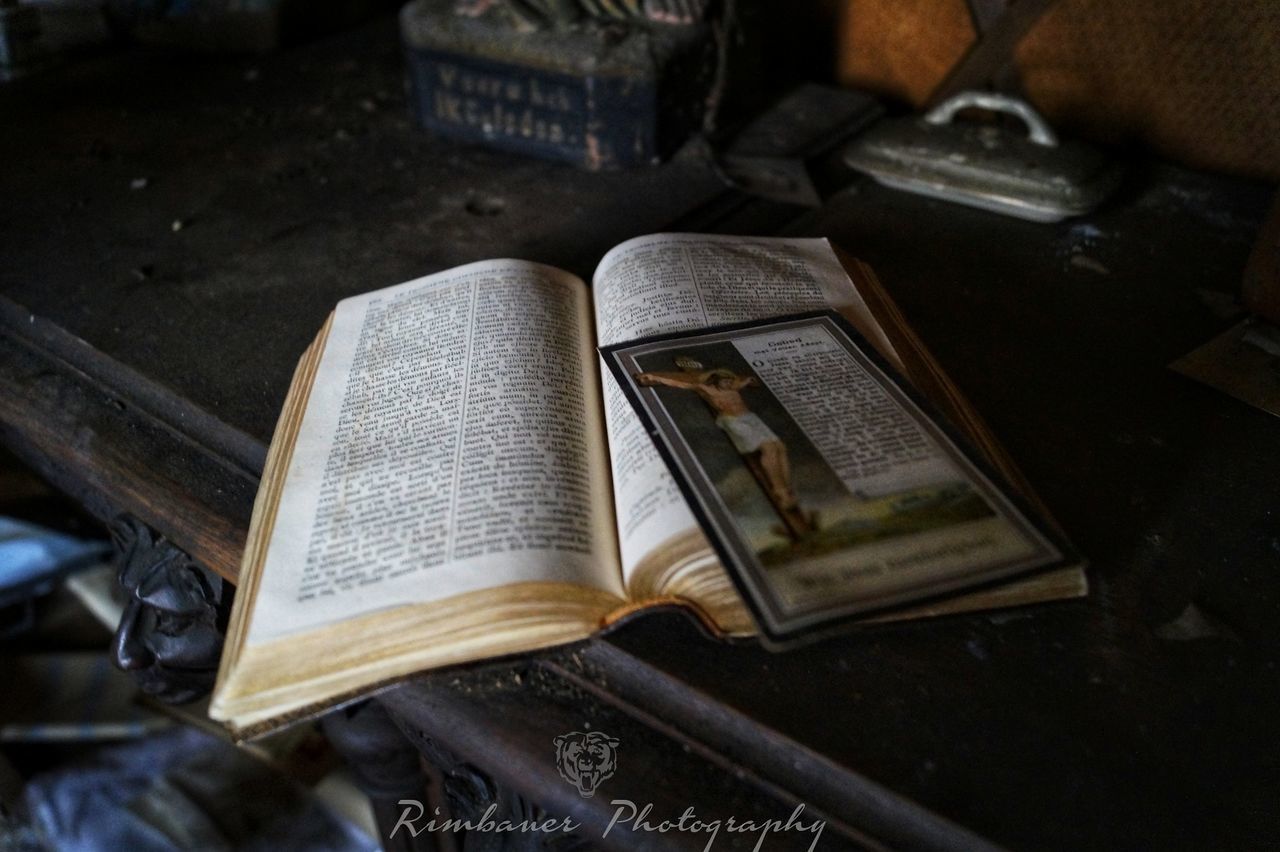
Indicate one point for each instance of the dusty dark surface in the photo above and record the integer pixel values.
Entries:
(296, 180)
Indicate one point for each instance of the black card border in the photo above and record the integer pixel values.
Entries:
(780, 639)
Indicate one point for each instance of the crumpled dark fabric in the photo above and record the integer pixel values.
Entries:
(183, 789)
(170, 635)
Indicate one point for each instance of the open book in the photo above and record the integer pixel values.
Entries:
(453, 477)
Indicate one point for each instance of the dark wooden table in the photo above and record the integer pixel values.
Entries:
(147, 337)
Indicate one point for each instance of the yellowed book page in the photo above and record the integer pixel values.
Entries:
(676, 282)
(276, 682)
(452, 442)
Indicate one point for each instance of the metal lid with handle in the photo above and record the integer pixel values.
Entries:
(1024, 172)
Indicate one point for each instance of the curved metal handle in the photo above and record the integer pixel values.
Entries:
(1038, 129)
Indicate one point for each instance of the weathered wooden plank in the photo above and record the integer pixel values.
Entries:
(117, 442)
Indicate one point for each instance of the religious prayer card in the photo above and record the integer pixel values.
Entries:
(827, 487)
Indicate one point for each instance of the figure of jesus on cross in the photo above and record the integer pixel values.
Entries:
(761, 449)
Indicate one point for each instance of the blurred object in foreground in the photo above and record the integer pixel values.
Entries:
(33, 560)
(183, 789)
(70, 697)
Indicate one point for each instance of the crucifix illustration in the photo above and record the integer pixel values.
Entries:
(761, 449)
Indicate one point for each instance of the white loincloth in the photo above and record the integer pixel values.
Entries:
(747, 431)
